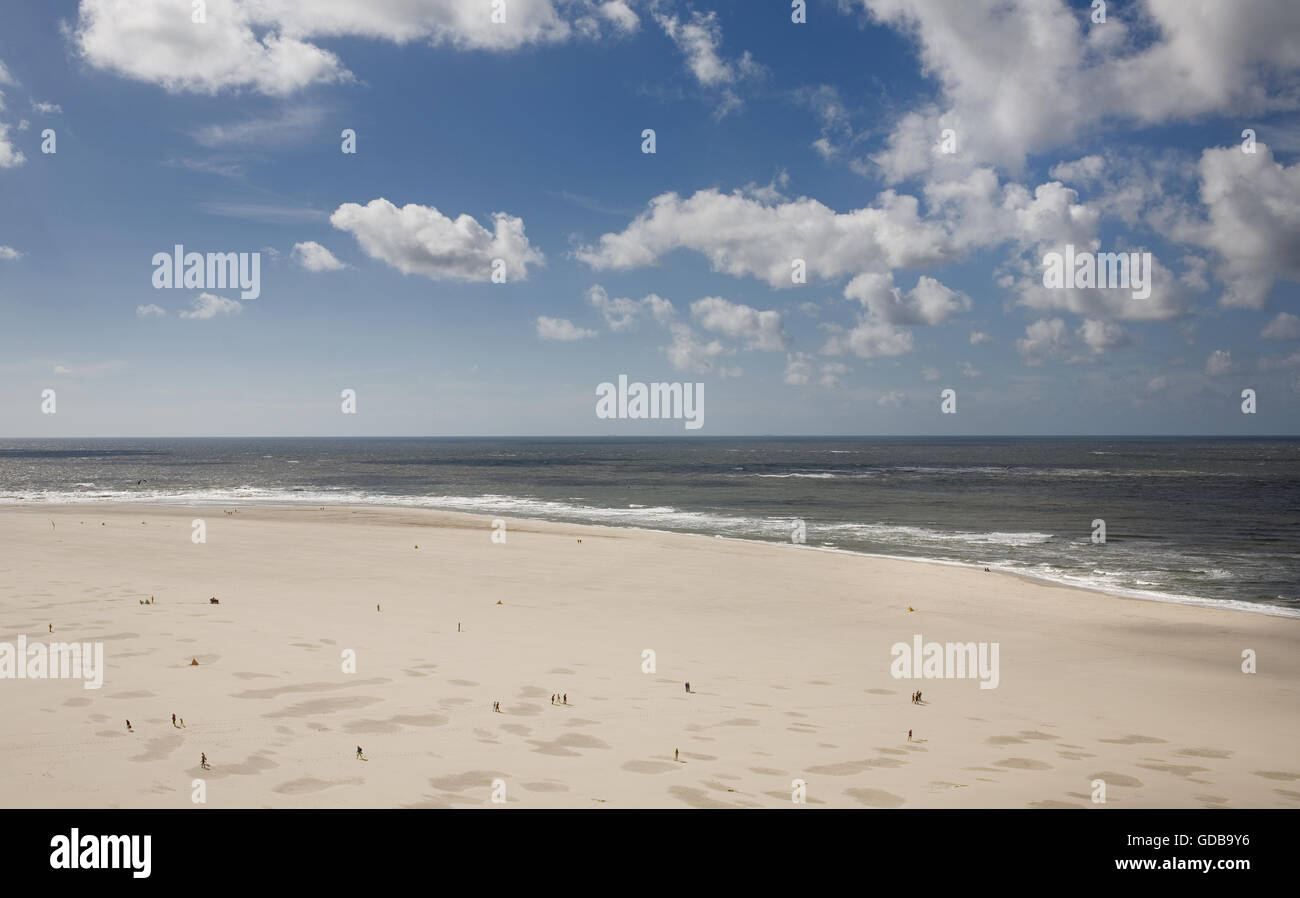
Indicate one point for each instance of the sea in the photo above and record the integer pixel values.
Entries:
(1195, 520)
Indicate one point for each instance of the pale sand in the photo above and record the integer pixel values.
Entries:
(786, 647)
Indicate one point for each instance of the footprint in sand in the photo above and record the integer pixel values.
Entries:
(311, 784)
(1134, 739)
(276, 692)
(697, 798)
(561, 746)
(876, 798)
(1023, 764)
(1183, 770)
(1215, 753)
(544, 787)
(468, 780)
(159, 748)
(312, 707)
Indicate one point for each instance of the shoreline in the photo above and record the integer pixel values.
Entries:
(1235, 605)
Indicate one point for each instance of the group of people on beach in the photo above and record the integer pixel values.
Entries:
(916, 697)
(560, 699)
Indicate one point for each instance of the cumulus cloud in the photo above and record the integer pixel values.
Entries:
(1043, 340)
(561, 329)
(757, 330)
(1252, 223)
(150, 311)
(688, 353)
(8, 253)
(928, 303)
(314, 257)
(1102, 336)
(10, 155)
(1284, 327)
(868, 339)
(209, 305)
(979, 338)
(266, 45)
(1010, 71)
(421, 240)
(1220, 362)
(743, 235)
(622, 314)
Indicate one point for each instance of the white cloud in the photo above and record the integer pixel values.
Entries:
(8, 252)
(1102, 336)
(151, 311)
(561, 329)
(930, 374)
(1010, 71)
(802, 369)
(10, 155)
(758, 330)
(314, 257)
(892, 399)
(869, 339)
(979, 338)
(928, 303)
(1080, 171)
(1252, 223)
(421, 240)
(266, 45)
(968, 370)
(1044, 339)
(209, 305)
(688, 353)
(47, 108)
(742, 235)
(699, 39)
(1220, 362)
(1284, 327)
(622, 314)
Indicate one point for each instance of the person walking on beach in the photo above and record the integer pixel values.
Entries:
(688, 687)
(203, 761)
(566, 698)
(360, 756)
(173, 720)
(909, 735)
(675, 758)
(128, 727)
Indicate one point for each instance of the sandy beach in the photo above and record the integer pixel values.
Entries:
(787, 650)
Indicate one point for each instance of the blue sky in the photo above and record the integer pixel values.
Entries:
(776, 141)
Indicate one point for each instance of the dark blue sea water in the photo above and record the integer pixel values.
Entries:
(1212, 520)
